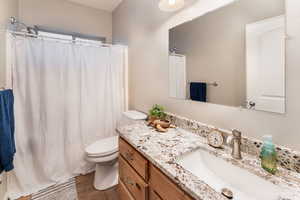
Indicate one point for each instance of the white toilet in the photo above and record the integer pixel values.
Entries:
(104, 153)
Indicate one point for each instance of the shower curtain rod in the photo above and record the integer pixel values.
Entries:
(15, 33)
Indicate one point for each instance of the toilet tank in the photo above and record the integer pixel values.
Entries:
(131, 117)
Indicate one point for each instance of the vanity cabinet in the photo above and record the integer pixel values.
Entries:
(134, 158)
(153, 195)
(124, 194)
(163, 187)
(132, 181)
(140, 180)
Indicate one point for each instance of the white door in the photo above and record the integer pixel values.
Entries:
(177, 76)
(265, 44)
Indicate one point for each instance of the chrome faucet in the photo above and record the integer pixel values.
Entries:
(235, 141)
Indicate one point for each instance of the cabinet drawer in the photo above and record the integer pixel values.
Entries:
(124, 194)
(133, 182)
(153, 195)
(134, 158)
(164, 187)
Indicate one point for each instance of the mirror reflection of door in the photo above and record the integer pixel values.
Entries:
(241, 46)
(177, 76)
(265, 51)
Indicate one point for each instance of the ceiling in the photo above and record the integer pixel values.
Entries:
(108, 5)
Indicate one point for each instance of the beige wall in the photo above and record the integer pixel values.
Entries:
(8, 8)
(67, 16)
(214, 46)
(139, 24)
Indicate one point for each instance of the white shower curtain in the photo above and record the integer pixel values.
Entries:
(66, 97)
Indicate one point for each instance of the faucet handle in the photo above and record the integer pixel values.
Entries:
(236, 133)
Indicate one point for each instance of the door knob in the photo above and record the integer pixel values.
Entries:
(252, 104)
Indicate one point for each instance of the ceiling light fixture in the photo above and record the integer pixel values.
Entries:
(171, 5)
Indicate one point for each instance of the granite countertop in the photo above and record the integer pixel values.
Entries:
(163, 150)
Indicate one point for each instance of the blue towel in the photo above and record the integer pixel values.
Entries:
(198, 91)
(7, 129)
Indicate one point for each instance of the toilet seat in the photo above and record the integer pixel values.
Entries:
(103, 159)
(104, 147)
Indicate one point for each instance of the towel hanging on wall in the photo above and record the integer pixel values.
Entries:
(198, 91)
(7, 129)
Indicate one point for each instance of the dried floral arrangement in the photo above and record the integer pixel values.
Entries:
(157, 119)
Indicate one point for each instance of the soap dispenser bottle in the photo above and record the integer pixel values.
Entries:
(268, 155)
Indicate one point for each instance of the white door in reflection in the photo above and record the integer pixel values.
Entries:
(177, 76)
(265, 51)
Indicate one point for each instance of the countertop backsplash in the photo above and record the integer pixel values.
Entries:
(287, 158)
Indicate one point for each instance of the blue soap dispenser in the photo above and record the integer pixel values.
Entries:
(268, 155)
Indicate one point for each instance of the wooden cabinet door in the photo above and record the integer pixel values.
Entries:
(163, 186)
(124, 194)
(153, 195)
(187, 197)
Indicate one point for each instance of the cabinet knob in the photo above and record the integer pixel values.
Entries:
(129, 182)
(128, 156)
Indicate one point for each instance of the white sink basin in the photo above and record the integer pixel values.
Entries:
(219, 174)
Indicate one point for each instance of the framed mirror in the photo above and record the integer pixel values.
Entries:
(233, 56)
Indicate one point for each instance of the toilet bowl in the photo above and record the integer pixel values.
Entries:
(104, 154)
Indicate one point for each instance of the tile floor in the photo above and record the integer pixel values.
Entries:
(86, 190)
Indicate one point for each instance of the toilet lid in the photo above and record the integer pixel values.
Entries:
(103, 147)
(135, 115)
